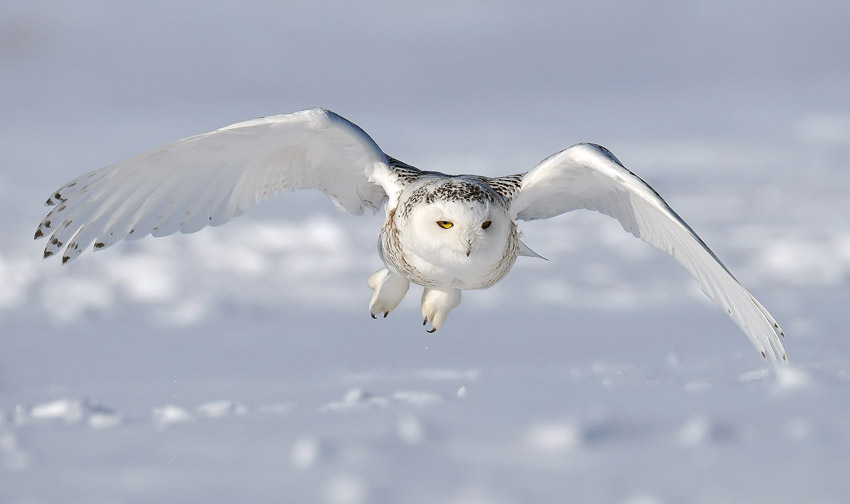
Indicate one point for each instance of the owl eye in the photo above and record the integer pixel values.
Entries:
(445, 224)
(485, 224)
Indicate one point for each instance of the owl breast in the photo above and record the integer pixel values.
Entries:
(429, 266)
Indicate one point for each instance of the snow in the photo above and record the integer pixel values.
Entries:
(410, 429)
(553, 437)
(218, 409)
(305, 453)
(240, 363)
(168, 415)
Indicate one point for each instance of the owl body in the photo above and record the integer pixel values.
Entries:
(449, 232)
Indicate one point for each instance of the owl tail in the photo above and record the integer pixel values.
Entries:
(525, 250)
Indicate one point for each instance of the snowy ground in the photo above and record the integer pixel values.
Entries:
(240, 363)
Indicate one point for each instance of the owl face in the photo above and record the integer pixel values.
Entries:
(459, 231)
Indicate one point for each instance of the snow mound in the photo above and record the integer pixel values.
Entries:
(411, 430)
(554, 437)
(415, 398)
(68, 411)
(305, 453)
(793, 378)
(346, 489)
(357, 399)
(218, 409)
(166, 416)
(699, 431)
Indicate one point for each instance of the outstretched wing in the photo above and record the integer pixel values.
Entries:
(589, 176)
(208, 179)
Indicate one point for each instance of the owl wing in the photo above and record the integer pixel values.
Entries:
(589, 176)
(208, 179)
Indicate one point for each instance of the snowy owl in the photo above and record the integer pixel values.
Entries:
(447, 233)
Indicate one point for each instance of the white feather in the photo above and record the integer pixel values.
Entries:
(210, 178)
(589, 176)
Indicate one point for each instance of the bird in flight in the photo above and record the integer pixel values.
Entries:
(446, 233)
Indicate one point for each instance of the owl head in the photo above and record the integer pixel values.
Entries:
(459, 222)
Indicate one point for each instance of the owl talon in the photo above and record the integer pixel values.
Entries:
(436, 305)
(389, 288)
(432, 330)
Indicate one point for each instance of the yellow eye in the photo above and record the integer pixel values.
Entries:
(485, 224)
(445, 224)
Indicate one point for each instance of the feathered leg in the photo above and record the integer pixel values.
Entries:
(390, 288)
(436, 305)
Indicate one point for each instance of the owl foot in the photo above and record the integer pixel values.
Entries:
(436, 305)
(390, 288)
